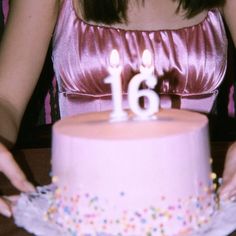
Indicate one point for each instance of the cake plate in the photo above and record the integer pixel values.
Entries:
(29, 210)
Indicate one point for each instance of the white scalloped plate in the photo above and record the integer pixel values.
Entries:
(30, 208)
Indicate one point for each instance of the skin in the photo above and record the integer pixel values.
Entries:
(23, 49)
(228, 189)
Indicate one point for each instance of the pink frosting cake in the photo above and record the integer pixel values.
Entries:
(132, 178)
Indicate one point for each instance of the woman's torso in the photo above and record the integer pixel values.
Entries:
(189, 61)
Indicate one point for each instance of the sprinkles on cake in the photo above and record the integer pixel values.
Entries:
(84, 213)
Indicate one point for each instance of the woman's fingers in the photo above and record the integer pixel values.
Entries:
(5, 208)
(228, 189)
(6, 204)
(9, 167)
(12, 171)
(12, 199)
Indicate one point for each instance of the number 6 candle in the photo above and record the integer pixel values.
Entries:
(146, 75)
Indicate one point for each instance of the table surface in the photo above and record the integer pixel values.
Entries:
(36, 164)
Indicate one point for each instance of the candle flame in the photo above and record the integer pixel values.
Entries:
(114, 58)
(147, 58)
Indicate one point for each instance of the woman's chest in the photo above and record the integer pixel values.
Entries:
(190, 60)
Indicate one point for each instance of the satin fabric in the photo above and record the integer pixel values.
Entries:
(190, 62)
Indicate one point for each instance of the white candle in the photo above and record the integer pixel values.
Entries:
(146, 75)
(118, 114)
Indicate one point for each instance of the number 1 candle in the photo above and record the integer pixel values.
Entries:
(114, 79)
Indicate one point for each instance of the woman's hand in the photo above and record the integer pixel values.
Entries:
(228, 189)
(11, 170)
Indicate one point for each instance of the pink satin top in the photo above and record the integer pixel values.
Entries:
(190, 62)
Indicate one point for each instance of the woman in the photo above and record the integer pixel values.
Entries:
(187, 41)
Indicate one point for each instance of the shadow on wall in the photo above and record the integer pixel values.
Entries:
(1, 19)
(223, 123)
(226, 98)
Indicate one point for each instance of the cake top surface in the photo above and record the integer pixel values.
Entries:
(97, 125)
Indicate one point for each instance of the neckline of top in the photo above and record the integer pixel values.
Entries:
(107, 27)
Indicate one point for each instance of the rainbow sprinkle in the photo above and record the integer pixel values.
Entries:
(88, 214)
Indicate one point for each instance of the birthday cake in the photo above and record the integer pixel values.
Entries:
(132, 178)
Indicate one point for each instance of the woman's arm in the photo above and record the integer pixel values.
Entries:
(22, 53)
(23, 50)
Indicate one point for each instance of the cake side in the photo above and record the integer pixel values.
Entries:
(157, 172)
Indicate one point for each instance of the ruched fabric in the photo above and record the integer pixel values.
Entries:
(190, 62)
